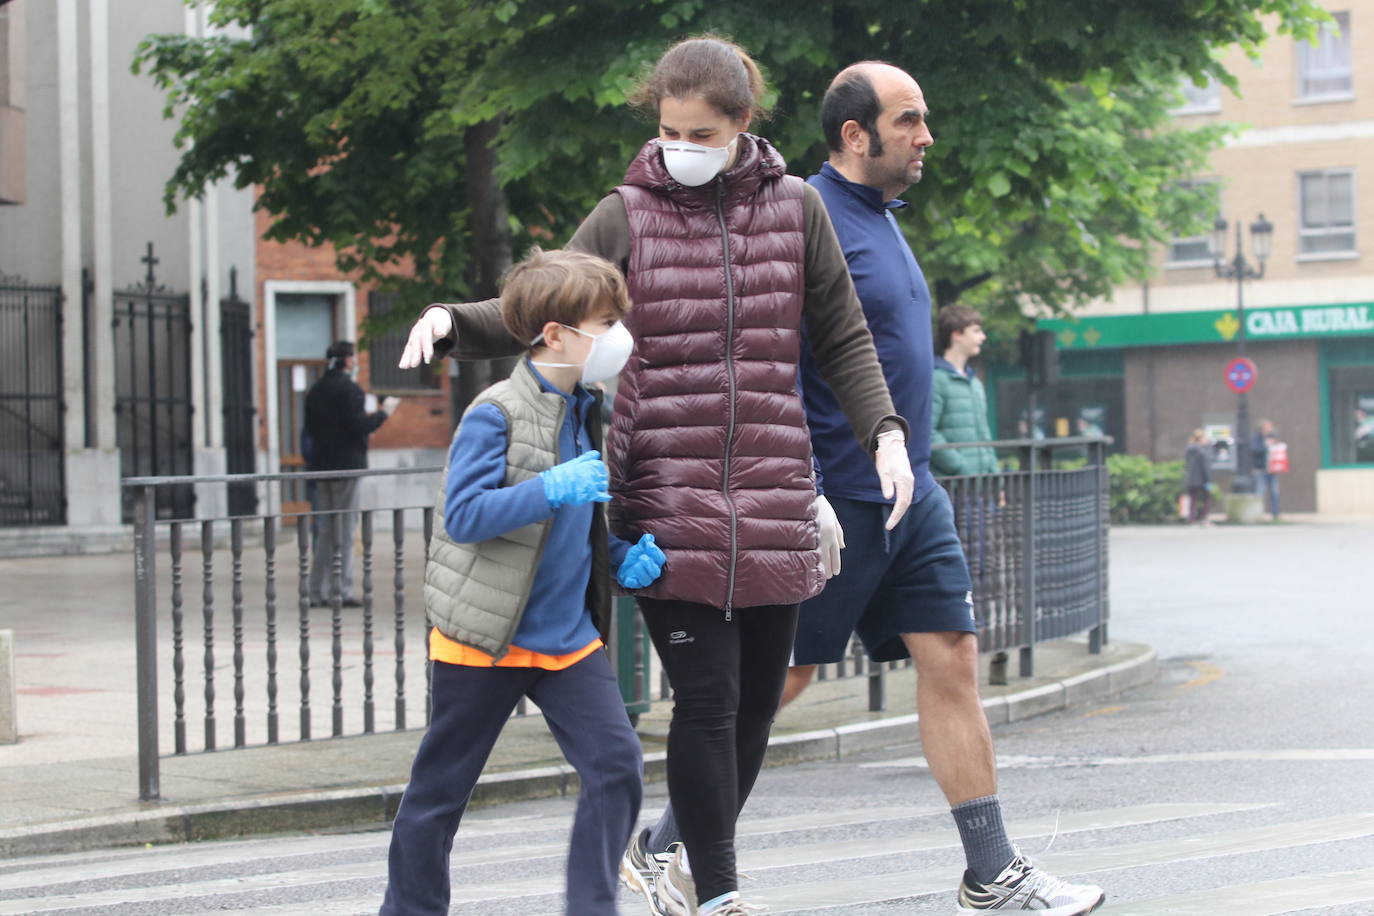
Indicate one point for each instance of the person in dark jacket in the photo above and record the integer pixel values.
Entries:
(1267, 482)
(958, 403)
(337, 425)
(1197, 477)
(725, 255)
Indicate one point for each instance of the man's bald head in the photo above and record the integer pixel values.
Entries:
(855, 94)
(874, 120)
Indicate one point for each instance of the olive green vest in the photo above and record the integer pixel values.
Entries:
(476, 593)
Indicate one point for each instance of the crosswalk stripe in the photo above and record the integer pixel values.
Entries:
(1073, 822)
(918, 883)
(343, 906)
(1029, 762)
(243, 852)
(1262, 898)
(552, 884)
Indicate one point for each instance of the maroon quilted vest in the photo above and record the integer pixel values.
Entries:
(709, 449)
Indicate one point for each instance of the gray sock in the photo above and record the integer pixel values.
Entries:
(986, 844)
(663, 834)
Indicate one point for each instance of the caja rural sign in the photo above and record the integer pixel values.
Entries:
(1274, 323)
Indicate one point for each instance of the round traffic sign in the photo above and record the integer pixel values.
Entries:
(1241, 374)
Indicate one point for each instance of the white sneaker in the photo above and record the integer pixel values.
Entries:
(1022, 886)
(675, 890)
(737, 907)
(640, 870)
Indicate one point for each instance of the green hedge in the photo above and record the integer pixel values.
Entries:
(1143, 490)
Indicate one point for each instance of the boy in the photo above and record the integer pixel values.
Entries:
(517, 588)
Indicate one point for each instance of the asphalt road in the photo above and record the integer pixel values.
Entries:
(1241, 783)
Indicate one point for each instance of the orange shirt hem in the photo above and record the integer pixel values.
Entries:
(443, 649)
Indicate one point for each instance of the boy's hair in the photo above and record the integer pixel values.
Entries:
(560, 285)
(953, 318)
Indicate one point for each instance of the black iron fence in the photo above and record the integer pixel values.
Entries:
(32, 485)
(152, 351)
(1035, 535)
(1035, 539)
(238, 588)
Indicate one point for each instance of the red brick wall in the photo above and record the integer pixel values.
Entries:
(422, 420)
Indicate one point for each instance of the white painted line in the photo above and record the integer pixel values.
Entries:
(908, 884)
(1263, 898)
(1073, 822)
(1026, 762)
(181, 858)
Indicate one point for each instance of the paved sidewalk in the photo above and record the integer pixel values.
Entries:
(72, 781)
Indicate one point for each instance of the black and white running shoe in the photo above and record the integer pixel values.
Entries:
(1022, 886)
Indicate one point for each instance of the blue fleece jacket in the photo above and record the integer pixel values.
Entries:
(478, 506)
(896, 302)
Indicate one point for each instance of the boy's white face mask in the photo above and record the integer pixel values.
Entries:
(609, 353)
(692, 164)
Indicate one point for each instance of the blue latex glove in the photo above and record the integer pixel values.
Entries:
(642, 565)
(573, 483)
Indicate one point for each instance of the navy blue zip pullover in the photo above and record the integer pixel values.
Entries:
(896, 302)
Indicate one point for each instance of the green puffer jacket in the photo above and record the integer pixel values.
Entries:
(959, 413)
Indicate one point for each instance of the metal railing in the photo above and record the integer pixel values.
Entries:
(247, 580)
(1035, 538)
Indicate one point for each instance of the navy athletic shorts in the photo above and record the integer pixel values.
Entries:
(913, 579)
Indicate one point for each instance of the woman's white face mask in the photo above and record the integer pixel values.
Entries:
(609, 353)
(692, 164)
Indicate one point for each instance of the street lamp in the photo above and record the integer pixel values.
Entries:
(1261, 242)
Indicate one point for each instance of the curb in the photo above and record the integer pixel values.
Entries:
(376, 805)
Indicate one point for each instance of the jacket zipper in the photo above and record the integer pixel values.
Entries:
(730, 376)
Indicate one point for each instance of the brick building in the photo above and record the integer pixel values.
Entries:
(302, 304)
(1147, 365)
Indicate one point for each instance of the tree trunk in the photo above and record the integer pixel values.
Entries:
(491, 251)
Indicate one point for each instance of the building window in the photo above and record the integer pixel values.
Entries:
(1324, 67)
(1195, 250)
(1327, 203)
(385, 353)
(1204, 99)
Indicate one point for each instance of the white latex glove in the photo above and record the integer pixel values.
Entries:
(894, 473)
(390, 404)
(435, 324)
(832, 537)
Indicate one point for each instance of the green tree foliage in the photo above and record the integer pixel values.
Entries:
(368, 123)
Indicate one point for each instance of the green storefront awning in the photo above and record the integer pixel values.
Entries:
(1090, 332)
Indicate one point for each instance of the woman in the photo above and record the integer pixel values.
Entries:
(725, 256)
(1197, 477)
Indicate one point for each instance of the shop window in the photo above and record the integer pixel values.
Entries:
(1352, 415)
(1324, 68)
(385, 352)
(1204, 99)
(1193, 250)
(1327, 201)
(1081, 406)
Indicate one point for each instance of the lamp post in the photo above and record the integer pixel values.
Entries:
(1239, 269)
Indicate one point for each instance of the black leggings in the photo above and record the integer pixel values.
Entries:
(727, 678)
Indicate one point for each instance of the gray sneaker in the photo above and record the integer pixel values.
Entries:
(1023, 886)
(640, 870)
(675, 890)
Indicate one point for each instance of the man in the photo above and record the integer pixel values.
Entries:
(959, 405)
(337, 425)
(906, 591)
